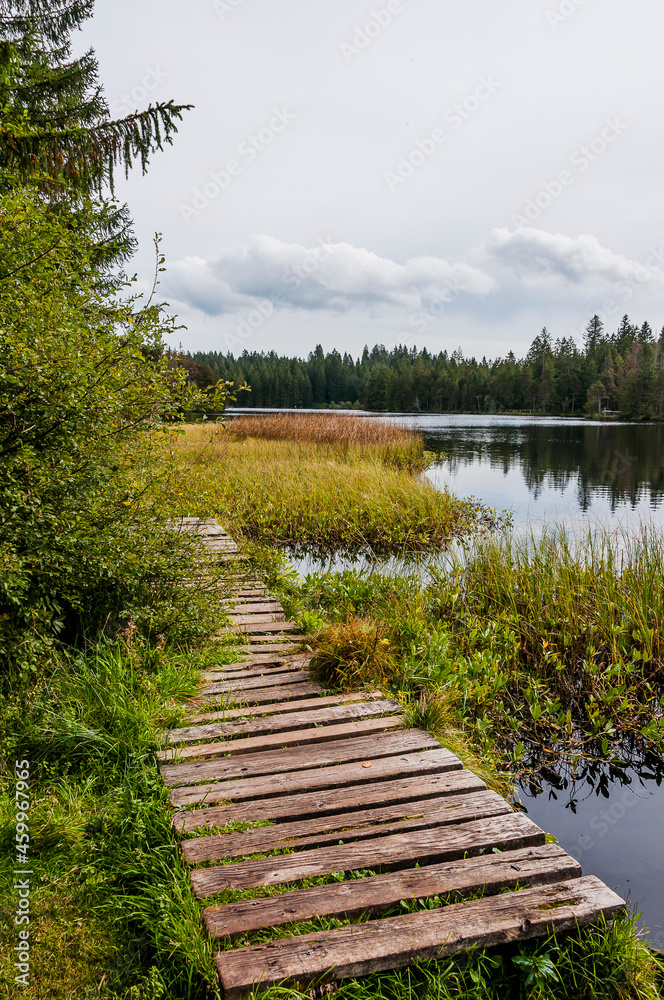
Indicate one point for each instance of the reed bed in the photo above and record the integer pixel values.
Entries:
(366, 436)
(537, 645)
(308, 495)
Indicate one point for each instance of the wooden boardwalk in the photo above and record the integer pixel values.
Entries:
(342, 787)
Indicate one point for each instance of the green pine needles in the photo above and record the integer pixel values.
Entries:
(54, 122)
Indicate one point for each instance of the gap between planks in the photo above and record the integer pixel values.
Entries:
(343, 827)
(331, 777)
(282, 723)
(308, 736)
(337, 799)
(292, 760)
(376, 895)
(382, 853)
(395, 942)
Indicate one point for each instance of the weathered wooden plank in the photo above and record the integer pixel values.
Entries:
(395, 942)
(266, 628)
(282, 723)
(262, 659)
(273, 647)
(201, 522)
(278, 677)
(259, 670)
(297, 737)
(257, 607)
(286, 706)
(304, 805)
(261, 696)
(347, 826)
(257, 619)
(229, 672)
(323, 755)
(527, 867)
(259, 664)
(397, 850)
(257, 591)
(336, 776)
(244, 602)
(269, 642)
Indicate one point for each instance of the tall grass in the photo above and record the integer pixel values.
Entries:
(305, 494)
(577, 620)
(376, 439)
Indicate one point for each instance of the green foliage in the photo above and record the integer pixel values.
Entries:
(82, 367)
(82, 539)
(54, 125)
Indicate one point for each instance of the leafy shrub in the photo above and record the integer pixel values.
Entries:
(82, 527)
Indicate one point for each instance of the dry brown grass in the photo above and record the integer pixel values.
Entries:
(389, 441)
(354, 653)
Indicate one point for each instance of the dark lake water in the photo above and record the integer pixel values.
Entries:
(574, 471)
(611, 821)
(578, 473)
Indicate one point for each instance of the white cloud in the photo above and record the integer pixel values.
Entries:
(537, 257)
(332, 276)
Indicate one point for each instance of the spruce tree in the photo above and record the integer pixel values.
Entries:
(624, 338)
(56, 135)
(593, 336)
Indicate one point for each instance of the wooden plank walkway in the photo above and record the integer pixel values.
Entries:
(335, 785)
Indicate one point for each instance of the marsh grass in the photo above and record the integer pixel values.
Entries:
(577, 622)
(306, 494)
(376, 440)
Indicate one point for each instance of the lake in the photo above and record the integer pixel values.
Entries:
(575, 471)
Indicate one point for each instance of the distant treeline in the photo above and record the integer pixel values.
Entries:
(621, 372)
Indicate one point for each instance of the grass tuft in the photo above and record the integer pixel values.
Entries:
(353, 654)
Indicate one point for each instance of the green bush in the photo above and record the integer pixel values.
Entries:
(81, 371)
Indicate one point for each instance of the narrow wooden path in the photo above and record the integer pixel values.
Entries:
(340, 786)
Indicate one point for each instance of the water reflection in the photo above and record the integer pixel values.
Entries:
(623, 462)
(550, 469)
(609, 816)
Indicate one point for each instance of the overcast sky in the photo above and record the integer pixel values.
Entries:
(440, 173)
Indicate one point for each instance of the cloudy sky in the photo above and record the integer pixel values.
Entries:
(440, 173)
